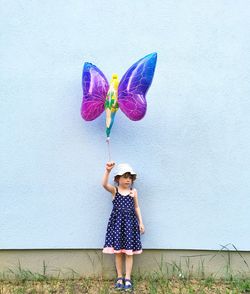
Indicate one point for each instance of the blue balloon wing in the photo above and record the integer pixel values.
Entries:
(95, 88)
(134, 85)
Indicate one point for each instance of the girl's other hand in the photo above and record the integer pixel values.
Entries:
(142, 229)
(110, 165)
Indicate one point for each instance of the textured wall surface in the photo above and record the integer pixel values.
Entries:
(191, 151)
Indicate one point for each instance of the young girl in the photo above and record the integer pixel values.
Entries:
(125, 222)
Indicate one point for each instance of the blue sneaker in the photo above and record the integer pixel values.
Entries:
(129, 287)
(119, 286)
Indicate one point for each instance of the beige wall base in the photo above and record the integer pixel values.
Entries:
(92, 262)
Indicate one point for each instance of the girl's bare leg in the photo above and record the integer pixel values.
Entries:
(118, 264)
(129, 265)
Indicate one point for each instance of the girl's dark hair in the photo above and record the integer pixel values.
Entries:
(126, 175)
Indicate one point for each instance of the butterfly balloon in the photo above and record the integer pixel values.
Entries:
(129, 94)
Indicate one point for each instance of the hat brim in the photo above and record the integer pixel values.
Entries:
(120, 174)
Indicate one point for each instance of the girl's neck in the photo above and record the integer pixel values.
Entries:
(124, 189)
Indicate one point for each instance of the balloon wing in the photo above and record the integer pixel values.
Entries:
(134, 85)
(95, 87)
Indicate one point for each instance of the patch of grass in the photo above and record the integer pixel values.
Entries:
(150, 284)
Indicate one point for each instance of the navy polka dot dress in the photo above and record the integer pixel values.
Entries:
(123, 233)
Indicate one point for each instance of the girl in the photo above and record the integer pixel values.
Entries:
(125, 222)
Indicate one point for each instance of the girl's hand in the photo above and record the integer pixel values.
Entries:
(142, 229)
(109, 165)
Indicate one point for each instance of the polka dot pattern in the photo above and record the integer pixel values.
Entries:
(123, 233)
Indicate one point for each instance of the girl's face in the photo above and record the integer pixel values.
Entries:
(125, 180)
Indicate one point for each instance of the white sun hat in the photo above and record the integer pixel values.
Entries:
(123, 168)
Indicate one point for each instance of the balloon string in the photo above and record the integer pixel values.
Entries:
(108, 149)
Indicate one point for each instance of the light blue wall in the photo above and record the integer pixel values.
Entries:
(191, 151)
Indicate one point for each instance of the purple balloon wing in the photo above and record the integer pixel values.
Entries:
(134, 85)
(95, 88)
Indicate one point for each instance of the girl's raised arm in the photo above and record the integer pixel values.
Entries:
(105, 178)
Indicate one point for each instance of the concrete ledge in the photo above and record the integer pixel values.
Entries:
(64, 263)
